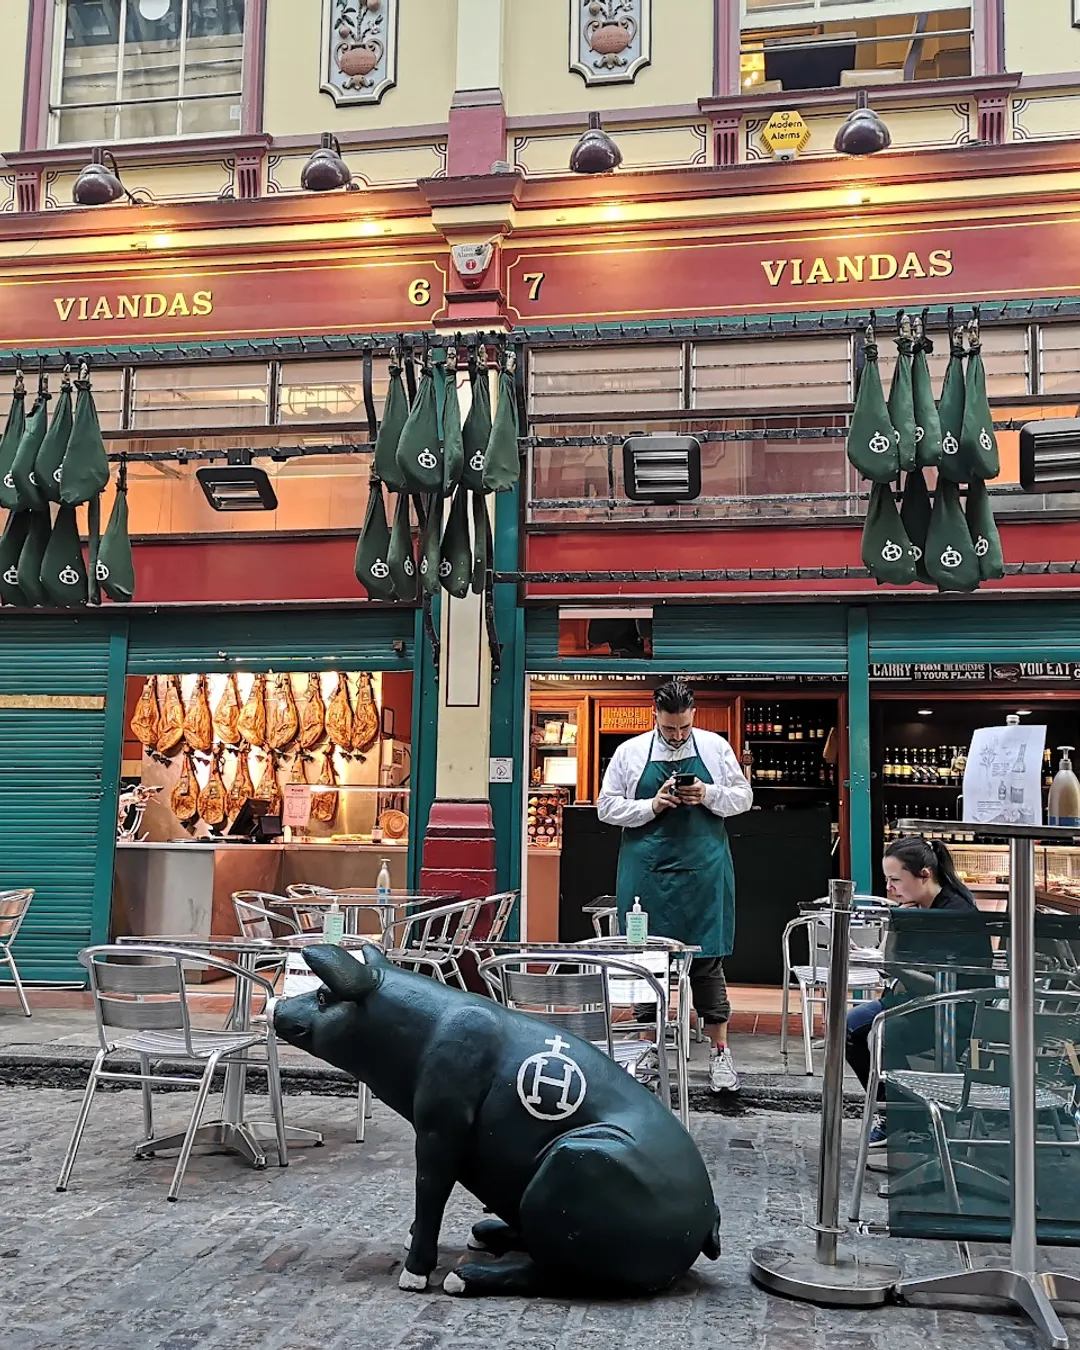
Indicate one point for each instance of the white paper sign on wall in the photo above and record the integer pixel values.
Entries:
(296, 809)
(500, 770)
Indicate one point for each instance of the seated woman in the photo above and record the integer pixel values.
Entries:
(919, 874)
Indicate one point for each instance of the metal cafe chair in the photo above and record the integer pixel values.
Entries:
(139, 988)
(13, 907)
(812, 979)
(501, 906)
(575, 999)
(434, 940)
(256, 920)
(958, 1103)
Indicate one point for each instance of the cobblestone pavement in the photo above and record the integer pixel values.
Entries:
(306, 1258)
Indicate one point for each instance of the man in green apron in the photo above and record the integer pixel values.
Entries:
(675, 855)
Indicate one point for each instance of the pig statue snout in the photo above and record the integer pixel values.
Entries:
(294, 1019)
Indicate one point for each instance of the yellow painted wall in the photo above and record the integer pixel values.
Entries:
(426, 46)
(12, 74)
(536, 56)
(1040, 38)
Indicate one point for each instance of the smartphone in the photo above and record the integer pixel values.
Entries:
(684, 780)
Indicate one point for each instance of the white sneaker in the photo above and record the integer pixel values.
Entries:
(722, 1075)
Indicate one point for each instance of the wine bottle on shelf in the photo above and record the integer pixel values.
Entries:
(778, 721)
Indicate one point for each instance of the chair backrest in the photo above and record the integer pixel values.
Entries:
(446, 929)
(604, 913)
(135, 992)
(503, 906)
(575, 1001)
(256, 920)
(13, 907)
(1057, 1038)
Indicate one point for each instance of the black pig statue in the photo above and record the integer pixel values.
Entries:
(596, 1186)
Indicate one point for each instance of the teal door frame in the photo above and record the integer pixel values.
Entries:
(859, 817)
(111, 755)
(508, 703)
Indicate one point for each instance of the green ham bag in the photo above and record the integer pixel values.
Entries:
(501, 462)
(953, 465)
(476, 432)
(872, 443)
(28, 572)
(395, 415)
(13, 430)
(915, 511)
(984, 531)
(950, 555)
(886, 549)
(28, 493)
(978, 444)
(901, 405)
(372, 563)
(419, 450)
(456, 559)
(11, 547)
(63, 572)
(54, 445)
(452, 439)
(481, 543)
(927, 425)
(85, 470)
(114, 565)
(430, 541)
(400, 557)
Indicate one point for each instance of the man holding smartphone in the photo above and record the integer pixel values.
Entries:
(670, 790)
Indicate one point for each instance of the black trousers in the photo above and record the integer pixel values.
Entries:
(708, 993)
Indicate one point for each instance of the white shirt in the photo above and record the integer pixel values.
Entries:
(729, 794)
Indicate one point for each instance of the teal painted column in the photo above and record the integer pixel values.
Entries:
(425, 730)
(508, 699)
(111, 754)
(859, 819)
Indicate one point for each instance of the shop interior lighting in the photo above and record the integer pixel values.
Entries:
(662, 469)
(1050, 455)
(1023, 712)
(153, 10)
(925, 712)
(238, 485)
(99, 182)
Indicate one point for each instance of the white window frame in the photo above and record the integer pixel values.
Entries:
(56, 83)
(787, 13)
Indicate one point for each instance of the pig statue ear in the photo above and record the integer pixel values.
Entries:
(342, 973)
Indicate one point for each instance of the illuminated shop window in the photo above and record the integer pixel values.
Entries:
(146, 69)
(178, 397)
(779, 373)
(825, 44)
(624, 379)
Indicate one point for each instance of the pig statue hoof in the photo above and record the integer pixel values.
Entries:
(415, 1284)
(454, 1284)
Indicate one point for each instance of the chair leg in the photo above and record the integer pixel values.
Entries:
(18, 984)
(273, 1091)
(147, 1099)
(807, 1028)
(941, 1140)
(193, 1125)
(362, 1109)
(80, 1123)
(785, 1003)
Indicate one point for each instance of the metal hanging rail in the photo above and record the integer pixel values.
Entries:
(1027, 569)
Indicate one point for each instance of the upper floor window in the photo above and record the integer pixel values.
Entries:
(824, 44)
(146, 69)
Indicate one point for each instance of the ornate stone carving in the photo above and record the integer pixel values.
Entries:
(359, 49)
(610, 40)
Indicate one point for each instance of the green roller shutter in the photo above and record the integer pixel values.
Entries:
(1032, 630)
(379, 639)
(541, 639)
(767, 639)
(58, 782)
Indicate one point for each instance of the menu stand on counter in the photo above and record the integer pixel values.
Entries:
(1020, 1283)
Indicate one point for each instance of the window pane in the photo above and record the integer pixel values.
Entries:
(777, 372)
(201, 117)
(200, 396)
(108, 387)
(329, 391)
(605, 379)
(91, 52)
(1059, 346)
(1004, 353)
(151, 54)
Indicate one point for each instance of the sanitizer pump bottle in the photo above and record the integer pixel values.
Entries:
(637, 925)
(333, 924)
(1064, 805)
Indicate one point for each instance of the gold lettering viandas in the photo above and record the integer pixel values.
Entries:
(138, 305)
(843, 269)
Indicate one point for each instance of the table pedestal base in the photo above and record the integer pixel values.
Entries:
(250, 1141)
(792, 1268)
(1033, 1294)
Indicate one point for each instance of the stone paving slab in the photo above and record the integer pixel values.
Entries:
(306, 1257)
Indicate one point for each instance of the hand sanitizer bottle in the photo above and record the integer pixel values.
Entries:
(333, 924)
(1063, 807)
(382, 885)
(637, 925)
